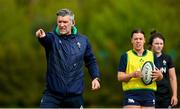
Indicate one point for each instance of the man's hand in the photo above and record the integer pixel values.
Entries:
(40, 33)
(157, 75)
(95, 84)
(137, 74)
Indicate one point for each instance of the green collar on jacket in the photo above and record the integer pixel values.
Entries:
(74, 30)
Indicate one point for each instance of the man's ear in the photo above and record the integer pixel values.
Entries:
(73, 22)
(144, 40)
(131, 40)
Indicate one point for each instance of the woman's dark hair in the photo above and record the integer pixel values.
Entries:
(137, 31)
(154, 35)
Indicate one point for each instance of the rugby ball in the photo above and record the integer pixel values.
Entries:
(146, 70)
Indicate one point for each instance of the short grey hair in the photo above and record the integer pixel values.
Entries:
(65, 12)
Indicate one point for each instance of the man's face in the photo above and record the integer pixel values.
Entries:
(138, 41)
(157, 45)
(65, 24)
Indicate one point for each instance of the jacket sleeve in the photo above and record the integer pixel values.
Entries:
(90, 62)
(46, 41)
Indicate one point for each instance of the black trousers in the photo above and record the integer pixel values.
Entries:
(50, 100)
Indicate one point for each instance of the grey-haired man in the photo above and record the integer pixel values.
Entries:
(66, 52)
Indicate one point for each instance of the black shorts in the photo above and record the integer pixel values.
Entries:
(139, 98)
(163, 101)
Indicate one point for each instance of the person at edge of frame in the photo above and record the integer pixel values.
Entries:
(166, 94)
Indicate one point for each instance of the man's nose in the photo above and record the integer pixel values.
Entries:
(61, 24)
(138, 40)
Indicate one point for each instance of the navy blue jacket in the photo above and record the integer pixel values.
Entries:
(66, 56)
